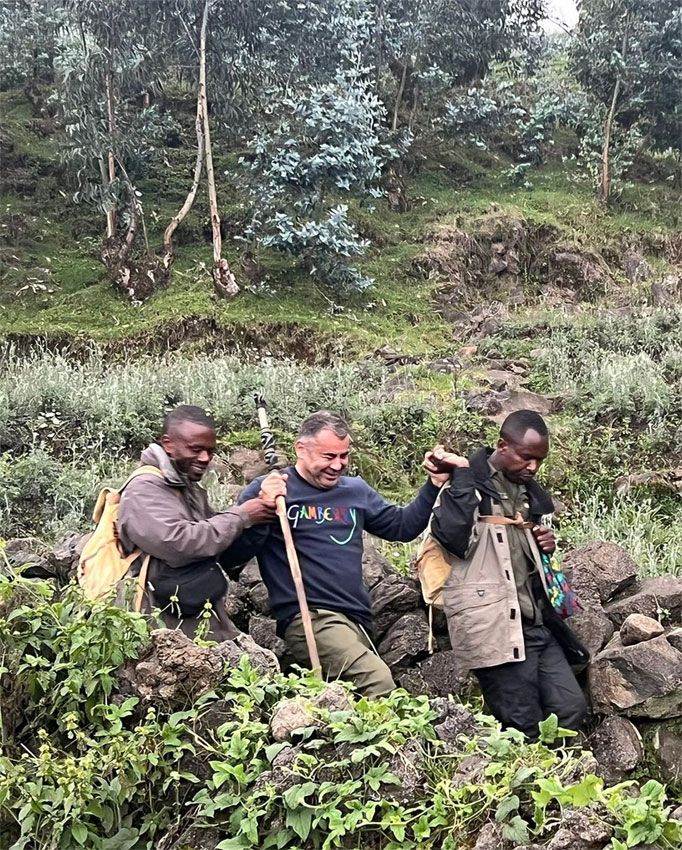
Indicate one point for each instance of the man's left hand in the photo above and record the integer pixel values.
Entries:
(544, 537)
(439, 464)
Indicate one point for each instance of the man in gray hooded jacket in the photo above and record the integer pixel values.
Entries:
(168, 517)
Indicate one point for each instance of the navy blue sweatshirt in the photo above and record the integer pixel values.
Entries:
(327, 528)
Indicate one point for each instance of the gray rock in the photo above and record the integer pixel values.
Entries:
(490, 838)
(172, 669)
(674, 638)
(406, 764)
(65, 554)
(406, 641)
(617, 747)
(500, 379)
(29, 555)
(264, 632)
(668, 747)
(458, 724)
(580, 829)
(283, 774)
(375, 567)
(599, 571)
(659, 598)
(247, 464)
(644, 680)
(676, 814)
(593, 628)
(196, 837)
(638, 627)
(525, 400)
(636, 267)
(231, 653)
(237, 606)
(439, 675)
(471, 770)
(250, 575)
(488, 403)
(334, 697)
(290, 716)
(391, 598)
(666, 293)
(259, 598)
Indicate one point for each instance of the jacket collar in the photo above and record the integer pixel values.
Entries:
(154, 455)
(539, 499)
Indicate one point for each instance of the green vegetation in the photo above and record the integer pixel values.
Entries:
(466, 149)
(84, 766)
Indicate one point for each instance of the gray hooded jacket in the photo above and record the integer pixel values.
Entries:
(171, 520)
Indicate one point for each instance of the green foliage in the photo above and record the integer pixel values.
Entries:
(83, 766)
(329, 141)
(649, 528)
(636, 44)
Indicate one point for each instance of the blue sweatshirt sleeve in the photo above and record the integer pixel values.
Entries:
(251, 541)
(391, 522)
(453, 515)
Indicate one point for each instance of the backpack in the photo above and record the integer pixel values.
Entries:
(433, 568)
(102, 564)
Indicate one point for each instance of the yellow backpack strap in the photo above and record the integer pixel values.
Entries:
(147, 469)
(107, 494)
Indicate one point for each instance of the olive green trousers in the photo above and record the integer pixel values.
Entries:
(345, 651)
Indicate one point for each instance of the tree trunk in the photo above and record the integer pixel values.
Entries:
(168, 254)
(111, 122)
(399, 96)
(223, 280)
(111, 222)
(605, 186)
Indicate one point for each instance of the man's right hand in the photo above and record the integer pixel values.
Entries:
(272, 486)
(258, 511)
(445, 461)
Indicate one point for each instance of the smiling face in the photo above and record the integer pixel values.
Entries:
(520, 459)
(322, 459)
(191, 447)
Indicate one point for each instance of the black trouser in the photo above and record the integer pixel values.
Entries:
(522, 693)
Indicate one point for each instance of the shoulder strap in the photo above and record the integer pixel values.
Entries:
(148, 469)
(505, 520)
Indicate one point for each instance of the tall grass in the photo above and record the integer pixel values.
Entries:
(51, 401)
(649, 530)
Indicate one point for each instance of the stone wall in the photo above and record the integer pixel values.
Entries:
(632, 628)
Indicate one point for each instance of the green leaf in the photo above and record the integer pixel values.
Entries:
(296, 795)
(124, 839)
(300, 820)
(79, 832)
(506, 807)
(549, 729)
(238, 843)
(516, 830)
(274, 750)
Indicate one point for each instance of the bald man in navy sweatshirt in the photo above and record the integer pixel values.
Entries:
(328, 512)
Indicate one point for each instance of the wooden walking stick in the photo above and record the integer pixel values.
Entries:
(268, 443)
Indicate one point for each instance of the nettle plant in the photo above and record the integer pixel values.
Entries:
(85, 766)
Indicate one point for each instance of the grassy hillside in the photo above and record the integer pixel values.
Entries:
(592, 334)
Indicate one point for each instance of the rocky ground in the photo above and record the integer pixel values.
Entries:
(632, 628)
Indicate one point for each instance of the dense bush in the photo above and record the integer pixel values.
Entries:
(84, 767)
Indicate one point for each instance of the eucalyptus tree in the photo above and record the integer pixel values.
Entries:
(29, 30)
(628, 55)
(431, 46)
(326, 136)
(108, 60)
